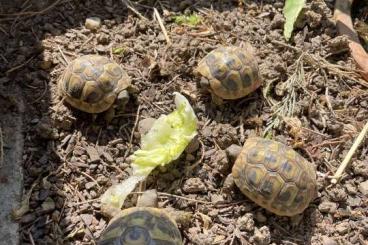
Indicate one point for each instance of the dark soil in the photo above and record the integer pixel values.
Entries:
(72, 159)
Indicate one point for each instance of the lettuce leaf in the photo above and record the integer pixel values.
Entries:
(164, 142)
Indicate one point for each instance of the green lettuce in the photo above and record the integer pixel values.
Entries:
(165, 142)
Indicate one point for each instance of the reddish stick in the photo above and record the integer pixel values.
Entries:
(344, 24)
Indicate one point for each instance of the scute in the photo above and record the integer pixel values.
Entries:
(232, 72)
(91, 83)
(274, 176)
(141, 225)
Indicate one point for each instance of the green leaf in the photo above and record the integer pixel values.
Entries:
(118, 50)
(191, 20)
(292, 9)
(165, 142)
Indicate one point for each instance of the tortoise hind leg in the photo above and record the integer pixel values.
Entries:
(216, 100)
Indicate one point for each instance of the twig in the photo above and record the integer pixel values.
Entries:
(1, 148)
(133, 10)
(132, 133)
(345, 162)
(162, 26)
(62, 54)
(20, 66)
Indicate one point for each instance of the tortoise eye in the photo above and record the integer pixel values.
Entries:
(135, 235)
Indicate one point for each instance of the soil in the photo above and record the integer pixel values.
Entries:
(72, 159)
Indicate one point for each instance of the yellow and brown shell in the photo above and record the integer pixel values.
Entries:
(275, 176)
(143, 226)
(232, 72)
(91, 83)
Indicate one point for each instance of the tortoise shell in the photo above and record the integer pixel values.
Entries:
(91, 83)
(232, 72)
(141, 226)
(275, 176)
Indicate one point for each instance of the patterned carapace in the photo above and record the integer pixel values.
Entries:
(275, 176)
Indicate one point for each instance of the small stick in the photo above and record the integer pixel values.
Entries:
(133, 10)
(162, 26)
(132, 132)
(20, 66)
(62, 54)
(345, 162)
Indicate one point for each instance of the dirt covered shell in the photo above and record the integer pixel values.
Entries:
(232, 71)
(141, 225)
(91, 83)
(275, 176)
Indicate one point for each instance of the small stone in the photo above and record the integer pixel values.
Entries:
(245, 222)
(145, 125)
(102, 38)
(192, 146)
(190, 157)
(89, 185)
(328, 241)
(55, 216)
(43, 194)
(87, 218)
(328, 207)
(221, 162)
(363, 188)
(148, 199)
(93, 154)
(343, 228)
(46, 64)
(233, 151)
(261, 236)
(278, 21)
(354, 201)
(48, 205)
(260, 217)
(194, 185)
(215, 198)
(93, 23)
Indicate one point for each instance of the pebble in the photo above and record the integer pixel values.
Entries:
(93, 23)
(363, 188)
(48, 205)
(343, 228)
(246, 222)
(89, 185)
(260, 217)
(233, 151)
(328, 207)
(87, 218)
(194, 185)
(192, 146)
(262, 236)
(328, 241)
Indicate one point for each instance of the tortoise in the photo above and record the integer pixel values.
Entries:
(274, 176)
(94, 84)
(142, 225)
(229, 73)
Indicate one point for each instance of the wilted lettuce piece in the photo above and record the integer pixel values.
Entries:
(116, 194)
(165, 142)
(292, 9)
(167, 139)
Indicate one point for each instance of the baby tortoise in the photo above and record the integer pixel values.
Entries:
(93, 83)
(274, 176)
(229, 73)
(142, 225)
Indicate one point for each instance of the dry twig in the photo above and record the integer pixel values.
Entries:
(345, 162)
(162, 26)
